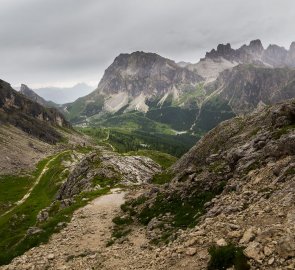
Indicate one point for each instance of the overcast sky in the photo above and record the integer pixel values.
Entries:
(62, 42)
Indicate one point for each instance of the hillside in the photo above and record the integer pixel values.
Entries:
(30, 116)
(226, 203)
(230, 194)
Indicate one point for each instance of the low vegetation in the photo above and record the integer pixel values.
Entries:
(162, 178)
(139, 138)
(225, 257)
(173, 212)
(163, 159)
(14, 236)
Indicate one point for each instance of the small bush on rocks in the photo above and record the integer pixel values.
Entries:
(227, 256)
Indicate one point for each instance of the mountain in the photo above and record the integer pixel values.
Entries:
(29, 93)
(136, 81)
(30, 116)
(242, 90)
(61, 95)
(227, 203)
(190, 97)
(225, 57)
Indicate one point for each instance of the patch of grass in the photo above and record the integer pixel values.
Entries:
(129, 205)
(185, 211)
(13, 188)
(84, 149)
(122, 220)
(162, 178)
(282, 131)
(225, 257)
(119, 232)
(290, 171)
(216, 167)
(104, 182)
(163, 159)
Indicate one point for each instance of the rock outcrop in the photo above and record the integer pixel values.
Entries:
(95, 168)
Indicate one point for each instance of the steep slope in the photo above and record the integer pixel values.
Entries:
(234, 192)
(30, 116)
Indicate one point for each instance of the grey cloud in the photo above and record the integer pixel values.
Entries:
(49, 41)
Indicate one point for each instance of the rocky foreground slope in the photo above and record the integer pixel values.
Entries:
(230, 203)
(234, 189)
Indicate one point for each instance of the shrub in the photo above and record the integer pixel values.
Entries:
(226, 257)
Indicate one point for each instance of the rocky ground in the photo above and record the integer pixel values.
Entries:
(244, 171)
(82, 243)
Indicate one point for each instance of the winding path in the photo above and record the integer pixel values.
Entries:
(27, 195)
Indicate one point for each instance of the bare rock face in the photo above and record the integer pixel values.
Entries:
(132, 80)
(125, 170)
(244, 87)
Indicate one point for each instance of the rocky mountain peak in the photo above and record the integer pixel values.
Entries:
(256, 46)
(223, 50)
(143, 76)
(29, 93)
(292, 47)
(254, 53)
(25, 89)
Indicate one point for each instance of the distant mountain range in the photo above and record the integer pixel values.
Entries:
(61, 95)
(225, 83)
(187, 97)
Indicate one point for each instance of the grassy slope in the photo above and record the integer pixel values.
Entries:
(14, 224)
(133, 131)
(163, 159)
(13, 188)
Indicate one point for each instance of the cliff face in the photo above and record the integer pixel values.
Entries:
(245, 86)
(244, 89)
(29, 116)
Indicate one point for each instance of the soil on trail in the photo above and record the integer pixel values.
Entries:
(82, 243)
